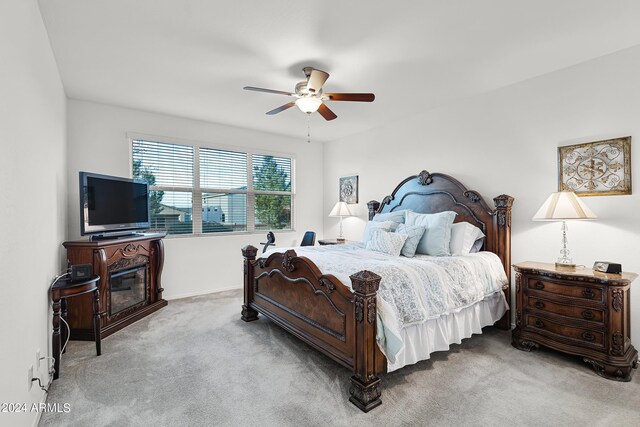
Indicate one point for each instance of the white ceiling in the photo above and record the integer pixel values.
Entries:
(191, 58)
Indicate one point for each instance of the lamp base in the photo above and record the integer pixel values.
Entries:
(565, 266)
(341, 239)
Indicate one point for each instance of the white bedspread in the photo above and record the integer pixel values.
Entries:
(412, 290)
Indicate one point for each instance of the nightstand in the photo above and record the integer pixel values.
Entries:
(576, 311)
(325, 242)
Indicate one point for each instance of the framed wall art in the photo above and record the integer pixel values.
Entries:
(600, 168)
(349, 189)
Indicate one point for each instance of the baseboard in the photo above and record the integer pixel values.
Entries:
(39, 413)
(203, 292)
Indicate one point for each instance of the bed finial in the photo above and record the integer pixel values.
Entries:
(425, 178)
(373, 207)
(503, 206)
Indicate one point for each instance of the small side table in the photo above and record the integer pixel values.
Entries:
(325, 242)
(62, 290)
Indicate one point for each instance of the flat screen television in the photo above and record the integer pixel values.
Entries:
(111, 205)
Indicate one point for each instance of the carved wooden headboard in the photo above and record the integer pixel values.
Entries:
(437, 192)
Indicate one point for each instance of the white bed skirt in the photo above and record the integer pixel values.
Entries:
(438, 334)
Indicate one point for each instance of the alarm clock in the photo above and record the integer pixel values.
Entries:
(607, 267)
(80, 272)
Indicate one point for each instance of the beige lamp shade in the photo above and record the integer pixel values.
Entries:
(340, 209)
(562, 206)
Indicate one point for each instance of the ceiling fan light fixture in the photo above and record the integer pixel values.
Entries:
(308, 104)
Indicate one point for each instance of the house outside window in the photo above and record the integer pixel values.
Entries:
(197, 190)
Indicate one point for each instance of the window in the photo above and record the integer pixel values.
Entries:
(202, 190)
(272, 192)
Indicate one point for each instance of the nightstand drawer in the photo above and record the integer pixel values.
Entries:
(581, 336)
(595, 315)
(569, 290)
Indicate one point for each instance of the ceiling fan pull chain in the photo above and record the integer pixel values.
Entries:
(308, 128)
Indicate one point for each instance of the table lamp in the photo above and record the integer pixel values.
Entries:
(563, 206)
(340, 210)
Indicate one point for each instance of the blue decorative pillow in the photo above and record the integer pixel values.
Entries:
(435, 240)
(398, 217)
(414, 234)
(386, 242)
(374, 225)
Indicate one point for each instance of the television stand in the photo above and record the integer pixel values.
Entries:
(110, 236)
(130, 268)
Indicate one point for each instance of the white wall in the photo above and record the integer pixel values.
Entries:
(506, 142)
(33, 209)
(193, 265)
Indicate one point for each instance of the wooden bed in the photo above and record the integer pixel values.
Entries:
(323, 312)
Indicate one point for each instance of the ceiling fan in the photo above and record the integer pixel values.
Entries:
(310, 97)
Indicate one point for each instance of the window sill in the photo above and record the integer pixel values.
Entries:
(232, 233)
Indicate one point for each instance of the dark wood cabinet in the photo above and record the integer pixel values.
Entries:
(580, 312)
(130, 270)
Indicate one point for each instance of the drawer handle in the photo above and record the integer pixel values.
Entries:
(539, 285)
(539, 324)
(588, 336)
(588, 314)
(539, 304)
(588, 293)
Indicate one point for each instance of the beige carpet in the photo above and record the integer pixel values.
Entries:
(195, 363)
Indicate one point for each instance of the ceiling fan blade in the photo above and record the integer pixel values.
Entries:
(316, 80)
(281, 108)
(326, 112)
(259, 89)
(360, 97)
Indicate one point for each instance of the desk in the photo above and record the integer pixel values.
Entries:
(62, 290)
(325, 242)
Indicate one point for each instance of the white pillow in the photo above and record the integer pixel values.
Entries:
(463, 236)
(386, 242)
(477, 246)
(376, 225)
(435, 240)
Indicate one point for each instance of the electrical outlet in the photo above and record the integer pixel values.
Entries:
(38, 360)
(30, 374)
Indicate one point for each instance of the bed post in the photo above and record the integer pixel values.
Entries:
(249, 253)
(502, 225)
(373, 207)
(365, 384)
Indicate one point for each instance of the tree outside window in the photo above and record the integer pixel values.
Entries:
(272, 211)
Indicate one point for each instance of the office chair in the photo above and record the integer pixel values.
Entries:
(309, 239)
(271, 240)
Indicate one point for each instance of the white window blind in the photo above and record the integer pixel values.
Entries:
(170, 164)
(223, 169)
(203, 190)
(223, 178)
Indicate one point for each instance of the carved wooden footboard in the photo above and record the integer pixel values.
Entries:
(321, 311)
